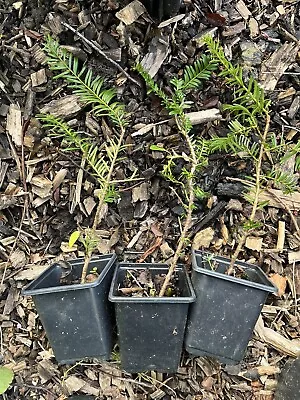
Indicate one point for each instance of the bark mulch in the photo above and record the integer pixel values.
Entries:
(46, 192)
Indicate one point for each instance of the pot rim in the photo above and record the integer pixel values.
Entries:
(165, 300)
(267, 286)
(30, 290)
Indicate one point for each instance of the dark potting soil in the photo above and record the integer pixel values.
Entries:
(238, 272)
(68, 278)
(141, 283)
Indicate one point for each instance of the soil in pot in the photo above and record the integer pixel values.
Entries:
(222, 319)
(150, 329)
(78, 319)
(142, 283)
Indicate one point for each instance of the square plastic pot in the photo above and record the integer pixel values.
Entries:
(151, 329)
(160, 9)
(78, 319)
(222, 318)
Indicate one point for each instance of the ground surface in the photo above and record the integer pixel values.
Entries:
(45, 194)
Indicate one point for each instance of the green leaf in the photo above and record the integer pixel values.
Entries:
(73, 238)
(154, 147)
(6, 377)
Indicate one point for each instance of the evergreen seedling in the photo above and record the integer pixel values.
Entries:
(176, 104)
(91, 92)
(248, 134)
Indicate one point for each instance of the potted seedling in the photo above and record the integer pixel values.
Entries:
(152, 300)
(72, 297)
(150, 328)
(222, 319)
(230, 294)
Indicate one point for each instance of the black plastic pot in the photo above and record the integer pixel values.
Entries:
(78, 319)
(222, 319)
(151, 329)
(161, 9)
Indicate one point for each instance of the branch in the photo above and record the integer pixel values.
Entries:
(95, 46)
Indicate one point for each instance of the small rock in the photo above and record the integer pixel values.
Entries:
(178, 210)
(148, 173)
(234, 205)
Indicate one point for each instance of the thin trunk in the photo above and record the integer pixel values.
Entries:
(256, 199)
(188, 220)
(88, 256)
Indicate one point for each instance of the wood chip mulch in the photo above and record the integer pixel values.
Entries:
(46, 193)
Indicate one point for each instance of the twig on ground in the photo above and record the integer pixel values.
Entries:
(286, 207)
(96, 47)
(25, 211)
(151, 249)
(36, 388)
(137, 282)
(280, 235)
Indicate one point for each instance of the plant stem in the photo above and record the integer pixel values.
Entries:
(256, 198)
(101, 202)
(188, 220)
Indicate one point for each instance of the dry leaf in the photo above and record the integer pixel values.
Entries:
(59, 178)
(280, 282)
